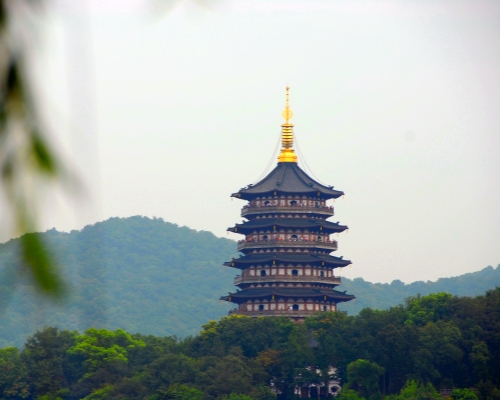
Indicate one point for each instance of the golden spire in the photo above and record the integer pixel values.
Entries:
(287, 154)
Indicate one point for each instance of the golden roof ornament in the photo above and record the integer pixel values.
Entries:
(287, 154)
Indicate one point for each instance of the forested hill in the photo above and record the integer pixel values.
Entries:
(143, 275)
(153, 277)
(431, 343)
(385, 295)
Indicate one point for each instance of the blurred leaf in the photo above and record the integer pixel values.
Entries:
(26, 159)
(43, 156)
(12, 77)
(41, 265)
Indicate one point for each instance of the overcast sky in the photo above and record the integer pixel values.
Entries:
(166, 112)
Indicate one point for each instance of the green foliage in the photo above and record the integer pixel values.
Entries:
(100, 394)
(456, 350)
(132, 273)
(349, 394)
(183, 392)
(43, 268)
(382, 296)
(170, 369)
(486, 390)
(439, 352)
(480, 358)
(219, 377)
(417, 390)
(13, 375)
(431, 308)
(100, 347)
(364, 376)
(139, 273)
(234, 396)
(463, 394)
(239, 357)
(45, 356)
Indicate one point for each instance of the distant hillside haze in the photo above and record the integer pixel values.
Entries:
(144, 275)
(153, 277)
(386, 295)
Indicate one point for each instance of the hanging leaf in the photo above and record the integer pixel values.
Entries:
(42, 154)
(41, 265)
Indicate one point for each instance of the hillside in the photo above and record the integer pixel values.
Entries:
(144, 275)
(385, 295)
(153, 277)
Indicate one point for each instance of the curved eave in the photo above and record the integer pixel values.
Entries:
(273, 224)
(285, 179)
(243, 195)
(284, 258)
(286, 293)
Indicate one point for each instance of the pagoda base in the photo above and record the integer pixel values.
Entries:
(293, 314)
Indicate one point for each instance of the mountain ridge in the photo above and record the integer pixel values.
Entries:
(153, 277)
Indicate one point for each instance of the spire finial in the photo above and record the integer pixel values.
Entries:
(287, 154)
(287, 113)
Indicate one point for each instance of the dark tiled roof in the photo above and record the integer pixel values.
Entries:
(287, 178)
(259, 293)
(295, 223)
(300, 258)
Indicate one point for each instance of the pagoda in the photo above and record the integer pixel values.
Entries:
(286, 266)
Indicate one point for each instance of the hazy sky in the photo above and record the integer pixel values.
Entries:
(166, 112)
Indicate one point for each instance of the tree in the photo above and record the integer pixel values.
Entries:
(104, 357)
(414, 390)
(463, 394)
(364, 377)
(439, 355)
(334, 332)
(170, 369)
(479, 357)
(45, 355)
(100, 347)
(431, 308)
(183, 392)
(13, 375)
(220, 377)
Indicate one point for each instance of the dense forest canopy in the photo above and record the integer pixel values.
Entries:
(407, 352)
(156, 278)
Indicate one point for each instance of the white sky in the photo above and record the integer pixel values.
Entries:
(397, 103)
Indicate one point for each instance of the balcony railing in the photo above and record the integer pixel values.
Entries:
(272, 313)
(287, 278)
(323, 244)
(249, 209)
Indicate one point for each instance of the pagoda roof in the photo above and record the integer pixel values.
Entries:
(287, 178)
(294, 292)
(287, 258)
(288, 223)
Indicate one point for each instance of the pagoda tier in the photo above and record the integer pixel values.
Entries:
(287, 270)
(296, 303)
(299, 234)
(291, 207)
(286, 267)
(280, 226)
(278, 258)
